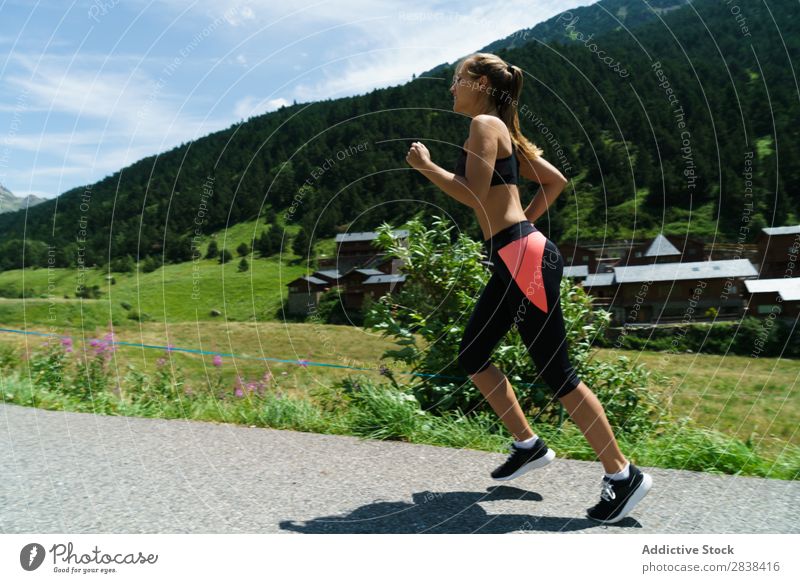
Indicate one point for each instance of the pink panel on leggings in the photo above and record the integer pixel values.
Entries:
(523, 258)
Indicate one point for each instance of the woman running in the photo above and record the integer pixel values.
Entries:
(523, 291)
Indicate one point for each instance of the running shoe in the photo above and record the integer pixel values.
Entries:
(618, 497)
(524, 459)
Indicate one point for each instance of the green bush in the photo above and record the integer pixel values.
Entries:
(379, 411)
(225, 256)
(139, 316)
(750, 337)
(149, 264)
(444, 281)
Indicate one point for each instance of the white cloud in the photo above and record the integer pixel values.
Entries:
(353, 45)
(121, 118)
(386, 42)
(250, 106)
(376, 42)
(237, 14)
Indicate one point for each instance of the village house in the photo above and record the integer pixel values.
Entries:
(779, 296)
(778, 251)
(358, 270)
(665, 249)
(668, 292)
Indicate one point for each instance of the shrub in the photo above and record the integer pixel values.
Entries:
(139, 316)
(88, 292)
(149, 264)
(444, 281)
(379, 411)
(225, 256)
(213, 250)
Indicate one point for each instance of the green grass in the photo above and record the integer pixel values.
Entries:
(748, 398)
(185, 292)
(250, 341)
(377, 411)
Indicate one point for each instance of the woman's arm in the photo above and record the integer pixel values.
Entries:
(551, 182)
(471, 189)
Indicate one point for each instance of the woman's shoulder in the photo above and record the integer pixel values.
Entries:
(488, 124)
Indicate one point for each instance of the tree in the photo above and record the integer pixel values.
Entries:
(225, 256)
(300, 243)
(270, 241)
(243, 265)
(179, 249)
(213, 250)
(149, 264)
(243, 249)
(123, 264)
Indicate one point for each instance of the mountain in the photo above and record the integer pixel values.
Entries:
(10, 203)
(687, 142)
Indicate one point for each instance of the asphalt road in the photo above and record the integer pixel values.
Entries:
(80, 473)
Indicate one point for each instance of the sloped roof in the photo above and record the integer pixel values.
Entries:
(370, 271)
(329, 273)
(365, 236)
(785, 230)
(685, 271)
(385, 279)
(576, 270)
(598, 279)
(314, 280)
(787, 287)
(661, 247)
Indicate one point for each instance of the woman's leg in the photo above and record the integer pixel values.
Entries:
(494, 385)
(544, 334)
(587, 412)
(490, 321)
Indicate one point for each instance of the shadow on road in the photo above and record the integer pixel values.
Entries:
(446, 513)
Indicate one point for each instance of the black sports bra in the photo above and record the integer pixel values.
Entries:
(506, 170)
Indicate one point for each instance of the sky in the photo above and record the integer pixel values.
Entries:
(89, 87)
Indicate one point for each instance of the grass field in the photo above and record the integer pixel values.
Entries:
(746, 398)
(185, 292)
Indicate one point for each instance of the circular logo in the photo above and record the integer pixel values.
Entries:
(31, 556)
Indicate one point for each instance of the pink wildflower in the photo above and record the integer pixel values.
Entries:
(217, 360)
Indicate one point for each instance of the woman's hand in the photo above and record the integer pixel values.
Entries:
(418, 156)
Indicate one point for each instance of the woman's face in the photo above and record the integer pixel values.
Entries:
(467, 96)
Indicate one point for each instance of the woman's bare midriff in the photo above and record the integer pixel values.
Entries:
(501, 209)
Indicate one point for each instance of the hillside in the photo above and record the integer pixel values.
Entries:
(664, 148)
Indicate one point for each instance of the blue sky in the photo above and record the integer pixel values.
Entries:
(90, 87)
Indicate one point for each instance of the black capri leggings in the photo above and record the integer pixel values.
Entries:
(523, 291)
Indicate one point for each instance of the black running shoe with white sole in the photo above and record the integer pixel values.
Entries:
(524, 459)
(618, 497)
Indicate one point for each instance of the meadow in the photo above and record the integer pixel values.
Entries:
(162, 322)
